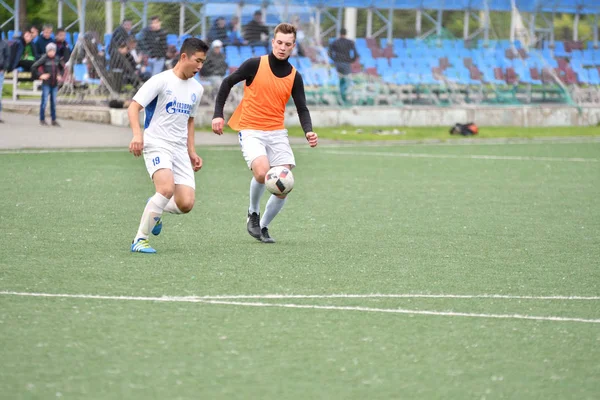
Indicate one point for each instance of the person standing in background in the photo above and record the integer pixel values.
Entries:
(50, 71)
(4, 61)
(343, 53)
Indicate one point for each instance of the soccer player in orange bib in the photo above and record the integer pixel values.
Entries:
(259, 119)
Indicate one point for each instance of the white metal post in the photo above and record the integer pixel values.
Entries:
(390, 24)
(108, 11)
(181, 19)
(595, 31)
(122, 13)
(350, 21)
(59, 19)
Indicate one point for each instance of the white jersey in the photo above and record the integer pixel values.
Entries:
(168, 102)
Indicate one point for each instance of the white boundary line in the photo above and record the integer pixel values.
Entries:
(456, 156)
(222, 300)
(404, 311)
(302, 296)
(346, 144)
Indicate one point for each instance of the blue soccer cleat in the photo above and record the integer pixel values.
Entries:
(142, 246)
(158, 227)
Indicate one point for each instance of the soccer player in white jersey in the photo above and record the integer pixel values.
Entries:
(170, 100)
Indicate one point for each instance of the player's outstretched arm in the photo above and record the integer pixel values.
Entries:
(137, 143)
(191, 145)
(300, 100)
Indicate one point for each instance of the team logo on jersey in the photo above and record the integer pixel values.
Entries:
(194, 97)
(178, 107)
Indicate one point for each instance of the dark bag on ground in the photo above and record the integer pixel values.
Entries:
(467, 129)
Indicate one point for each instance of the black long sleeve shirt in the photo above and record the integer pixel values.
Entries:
(280, 68)
(343, 50)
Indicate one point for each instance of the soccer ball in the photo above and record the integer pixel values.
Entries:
(279, 180)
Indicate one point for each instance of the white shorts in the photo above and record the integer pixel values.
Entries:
(170, 157)
(273, 144)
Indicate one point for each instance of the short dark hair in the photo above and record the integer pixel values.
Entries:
(126, 20)
(154, 18)
(285, 28)
(258, 12)
(191, 46)
(59, 30)
(343, 32)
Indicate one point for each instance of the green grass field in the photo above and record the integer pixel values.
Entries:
(440, 133)
(440, 221)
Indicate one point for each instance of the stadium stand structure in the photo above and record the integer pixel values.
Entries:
(439, 69)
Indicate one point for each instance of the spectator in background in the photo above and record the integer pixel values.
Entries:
(63, 50)
(218, 31)
(343, 53)
(215, 67)
(44, 39)
(154, 44)
(122, 66)
(141, 67)
(255, 29)
(23, 53)
(4, 62)
(121, 34)
(35, 33)
(300, 36)
(172, 57)
(233, 32)
(50, 70)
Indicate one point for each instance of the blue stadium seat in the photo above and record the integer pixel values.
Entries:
(305, 62)
(594, 76)
(582, 75)
(172, 39)
(79, 71)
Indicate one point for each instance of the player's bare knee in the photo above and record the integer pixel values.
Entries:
(186, 205)
(166, 191)
(259, 174)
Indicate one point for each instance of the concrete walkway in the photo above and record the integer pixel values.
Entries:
(20, 131)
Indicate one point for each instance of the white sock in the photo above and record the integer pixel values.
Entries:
(274, 205)
(172, 208)
(256, 192)
(153, 211)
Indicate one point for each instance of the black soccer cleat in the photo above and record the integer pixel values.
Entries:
(265, 237)
(253, 225)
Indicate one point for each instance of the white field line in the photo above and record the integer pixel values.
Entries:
(99, 150)
(466, 142)
(222, 300)
(456, 156)
(403, 311)
(304, 296)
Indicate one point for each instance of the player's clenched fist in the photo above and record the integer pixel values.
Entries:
(312, 138)
(217, 125)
